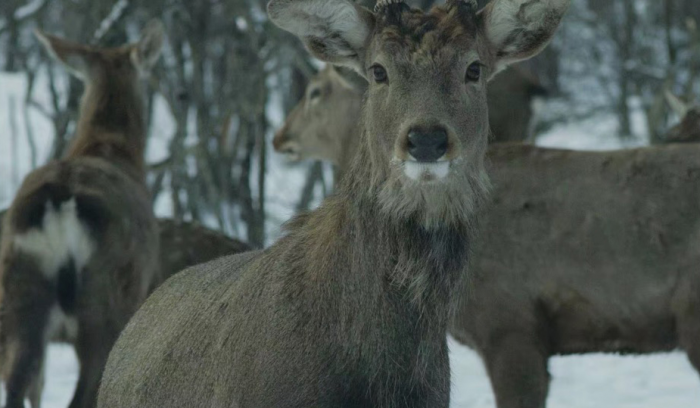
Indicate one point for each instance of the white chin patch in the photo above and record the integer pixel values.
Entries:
(426, 171)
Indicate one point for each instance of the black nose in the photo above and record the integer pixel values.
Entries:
(427, 145)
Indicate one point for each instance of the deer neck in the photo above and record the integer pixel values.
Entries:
(367, 261)
(112, 126)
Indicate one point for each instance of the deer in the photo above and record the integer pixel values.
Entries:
(184, 244)
(80, 246)
(351, 307)
(333, 99)
(580, 252)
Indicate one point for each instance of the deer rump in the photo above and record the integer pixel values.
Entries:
(77, 239)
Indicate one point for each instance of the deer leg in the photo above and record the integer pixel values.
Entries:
(92, 349)
(37, 387)
(689, 336)
(517, 367)
(25, 375)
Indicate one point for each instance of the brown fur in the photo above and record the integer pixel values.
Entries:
(570, 237)
(80, 241)
(350, 308)
(583, 252)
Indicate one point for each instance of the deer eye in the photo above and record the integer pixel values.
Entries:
(473, 72)
(315, 94)
(379, 73)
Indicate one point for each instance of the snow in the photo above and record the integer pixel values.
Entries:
(589, 381)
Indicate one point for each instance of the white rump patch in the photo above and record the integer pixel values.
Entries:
(426, 171)
(61, 327)
(62, 236)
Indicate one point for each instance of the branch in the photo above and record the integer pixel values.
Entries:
(109, 21)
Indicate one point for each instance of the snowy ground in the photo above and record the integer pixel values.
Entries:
(591, 381)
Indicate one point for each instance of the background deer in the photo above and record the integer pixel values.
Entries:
(80, 241)
(582, 252)
(350, 308)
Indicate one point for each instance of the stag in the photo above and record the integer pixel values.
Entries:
(80, 241)
(351, 307)
(581, 252)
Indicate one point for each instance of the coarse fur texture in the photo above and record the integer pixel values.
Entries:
(563, 226)
(583, 252)
(351, 307)
(80, 241)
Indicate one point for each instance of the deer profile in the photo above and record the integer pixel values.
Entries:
(80, 241)
(351, 307)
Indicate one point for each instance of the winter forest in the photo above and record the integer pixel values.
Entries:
(618, 74)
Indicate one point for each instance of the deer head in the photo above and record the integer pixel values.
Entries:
(323, 123)
(425, 120)
(95, 64)
(111, 122)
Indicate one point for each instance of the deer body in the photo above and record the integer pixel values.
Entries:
(583, 252)
(350, 309)
(80, 241)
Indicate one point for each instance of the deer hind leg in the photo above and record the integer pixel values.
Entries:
(36, 389)
(94, 344)
(26, 307)
(517, 367)
(689, 334)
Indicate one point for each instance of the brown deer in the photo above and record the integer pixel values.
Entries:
(324, 124)
(80, 241)
(351, 307)
(581, 252)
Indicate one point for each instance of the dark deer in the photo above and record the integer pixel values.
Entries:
(80, 241)
(351, 307)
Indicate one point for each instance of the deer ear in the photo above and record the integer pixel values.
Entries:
(520, 29)
(74, 57)
(147, 51)
(679, 107)
(334, 31)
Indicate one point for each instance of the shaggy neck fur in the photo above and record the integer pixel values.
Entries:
(112, 124)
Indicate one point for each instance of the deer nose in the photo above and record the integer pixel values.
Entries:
(427, 145)
(279, 139)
